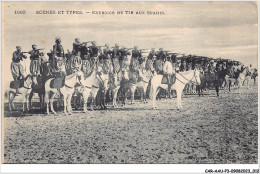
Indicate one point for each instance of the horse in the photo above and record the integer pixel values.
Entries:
(115, 81)
(66, 90)
(24, 89)
(207, 79)
(145, 75)
(38, 84)
(130, 83)
(182, 78)
(239, 79)
(99, 89)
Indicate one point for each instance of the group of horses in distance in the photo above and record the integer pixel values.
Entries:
(84, 84)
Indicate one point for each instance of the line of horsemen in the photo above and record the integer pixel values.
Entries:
(108, 60)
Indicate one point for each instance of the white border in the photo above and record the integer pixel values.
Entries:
(125, 168)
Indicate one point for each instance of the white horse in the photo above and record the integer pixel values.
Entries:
(182, 79)
(67, 91)
(145, 76)
(24, 91)
(90, 87)
(114, 84)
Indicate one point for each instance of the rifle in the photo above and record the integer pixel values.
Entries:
(101, 46)
(25, 52)
(87, 42)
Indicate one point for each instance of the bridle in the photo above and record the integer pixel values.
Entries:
(190, 81)
(27, 85)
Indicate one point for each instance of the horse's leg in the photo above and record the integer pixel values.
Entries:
(69, 104)
(85, 101)
(113, 97)
(198, 89)
(65, 99)
(47, 102)
(27, 102)
(155, 91)
(133, 94)
(51, 102)
(30, 99)
(217, 88)
(104, 99)
(179, 93)
(11, 99)
(24, 100)
(144, 95)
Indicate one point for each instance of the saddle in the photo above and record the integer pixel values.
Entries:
(17, 84)
(57, 82)
(172, 79)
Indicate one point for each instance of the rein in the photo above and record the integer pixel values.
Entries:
(27, 85)
(188, 79)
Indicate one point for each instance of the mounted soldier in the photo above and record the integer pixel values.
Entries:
(160, 57)
(169, 73)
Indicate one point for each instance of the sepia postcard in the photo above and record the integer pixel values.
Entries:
(130, 83)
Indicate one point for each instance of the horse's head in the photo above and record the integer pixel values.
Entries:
(28, 80)
(34, 80)
(196, 77)
(104, 78)
(125, 74)
(80, 77)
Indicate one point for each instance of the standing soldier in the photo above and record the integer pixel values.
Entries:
(106, 59)
(93, 52)
(16, 67)
(124, 52)
(58, 53)
(161, 55)
(35, 64)
(115, 58)
(78, 46)
(136, 54)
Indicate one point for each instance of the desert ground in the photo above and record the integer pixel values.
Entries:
(209, 130)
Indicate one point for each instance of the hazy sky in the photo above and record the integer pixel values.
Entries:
(214, 29)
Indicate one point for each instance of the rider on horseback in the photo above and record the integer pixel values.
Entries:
(169, 72)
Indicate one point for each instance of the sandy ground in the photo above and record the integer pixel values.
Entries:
(208, 130)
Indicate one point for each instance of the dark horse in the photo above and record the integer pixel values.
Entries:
(214, 78)
(38, 84)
